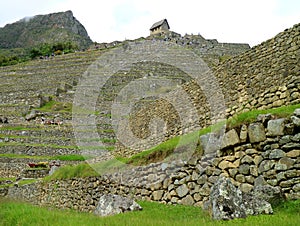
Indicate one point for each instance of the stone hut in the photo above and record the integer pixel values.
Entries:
(159, 27)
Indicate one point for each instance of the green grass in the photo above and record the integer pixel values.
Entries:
(29, 181)
(164, 149)
(250, 116)
(186, 143)
(7, 178)
(71, 157)
(54, 106)
(154, 214)
(38, 145)
(68, 171)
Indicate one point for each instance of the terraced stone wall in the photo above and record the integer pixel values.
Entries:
(264, 77)
(266, 152)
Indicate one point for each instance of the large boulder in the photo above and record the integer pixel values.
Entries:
(228, 202)
(110, 204)
(225, 201)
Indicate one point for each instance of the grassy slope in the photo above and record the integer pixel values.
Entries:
(12, 213)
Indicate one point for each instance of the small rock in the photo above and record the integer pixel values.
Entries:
(276, 154)
(243, 133)
(293, 154)
(182, 190)
(265, 165)
(245, 187)
(244, 169)
(188, 200)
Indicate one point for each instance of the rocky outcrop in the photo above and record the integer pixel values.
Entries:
(50, 28)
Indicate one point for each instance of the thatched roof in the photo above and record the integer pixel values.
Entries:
(159, 23)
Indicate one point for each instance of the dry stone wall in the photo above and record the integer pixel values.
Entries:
(264, 152)
(264, 77)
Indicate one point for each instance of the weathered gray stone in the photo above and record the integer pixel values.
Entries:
(296, 187)
(256, 132)
(225, 165)
(244, 169)
(230, 138)
(240, 178)
(290, 146)
(258, 159)
(276, 127)
(268, 193)
(225, 201)
(110, 204)
(276, 154)
(202, 179)
(265, 165)
(287, 161)
(246, 188)
(251, 151)
(188, 200)
(247, 159)
(243, 133)
(157, 195)
(259, 181)
(228, 202)
(31, 115)
(249, 179)
(233, 172)
(264, 118)
(210, 143)
(182, 190)
(297, 112)
(295, 120)
(254, 171)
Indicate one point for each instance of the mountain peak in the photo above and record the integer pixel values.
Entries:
(49, 28)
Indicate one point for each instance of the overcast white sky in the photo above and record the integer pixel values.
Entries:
(246, 21)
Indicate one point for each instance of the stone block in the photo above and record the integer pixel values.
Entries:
(276, 154)
(157, 195)
(225, 165)
(243, 133)
(244, 169)
(265, 165)
(240, 178)
(246, 188)
(276, 127)
(182, 190)
(293, 153)
(247, 159)
(188, 200)
(256, 132)
(210, 143)
(230, 139)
